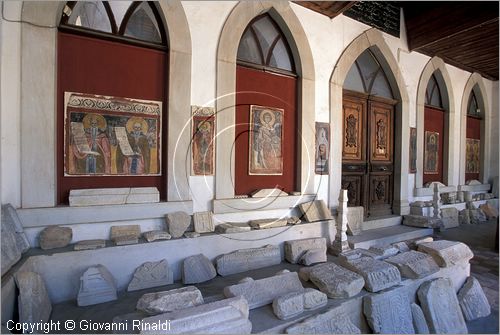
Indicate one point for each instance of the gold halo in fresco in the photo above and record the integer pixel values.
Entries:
(89, 119)
(133, 120)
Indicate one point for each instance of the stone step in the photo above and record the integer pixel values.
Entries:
(381, 222)
(387, 235)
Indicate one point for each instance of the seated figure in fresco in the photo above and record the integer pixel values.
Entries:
(98, 160)
(139, 162)
(268, 142)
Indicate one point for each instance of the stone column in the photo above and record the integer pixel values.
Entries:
(340, 244)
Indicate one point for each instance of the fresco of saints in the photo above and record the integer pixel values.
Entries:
(139, 162)
(267, 144)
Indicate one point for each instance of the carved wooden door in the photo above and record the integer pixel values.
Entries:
(367, 155)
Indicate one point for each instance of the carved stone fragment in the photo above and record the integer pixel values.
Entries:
(203, 222)
(178, 223)
(248, 259)
(155, 235)
(488, 210)
(14, 242)
(168, 301)
(336, 281)
(384, 251)
(292, 304)
(197, 269)
(477, 216)
(34, 302)
(55, 237)
(151, 274)
(97, 285)
(421, 221)
(355, 218)
(414, 264)
(401, 246)
(232, 227)
(125, 240)
(268, 192)
(133, 231)
(357, 253)
(90, 244)
(473, 301)
(447, 253)
(449, 216)
(315, 211)
(378, 275)
(295, 249)
(313, 256)
(419, 322)
(267, 223)
(333, 321)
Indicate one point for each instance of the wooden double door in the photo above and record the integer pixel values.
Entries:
(368, 152)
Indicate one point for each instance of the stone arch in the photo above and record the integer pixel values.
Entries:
(475, 82)
(436, 65)
(371, 39)
(229, 40)
(38, 97)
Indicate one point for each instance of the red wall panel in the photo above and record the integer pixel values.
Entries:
(473, 131)
(94, 66)
(255, 87)
(434, 121)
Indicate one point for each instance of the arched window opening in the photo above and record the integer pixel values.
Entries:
(263, 44)
(473, 143)
(473, 107)
(433, 93)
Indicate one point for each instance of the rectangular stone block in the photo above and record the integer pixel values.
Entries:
(292, 304)
(90, 244)
(263, 291)
(203, 222)
(315, 210)
(447, 253)
(357, 253)
(267, 223)
(419, 322)
(228, 316)
(449, 217)
(333, 321)
(335, 281)
(355, 218)
(313, 256)
(473, 301)
(421, 221)
(155, 235)
(389, 312)
(295, 249)
(378, 275)
(232, 227)
(248, 259)
(268, 192)
(169, 301)
(133, 231)
(113, 196)
(125, 240)
(414, 264)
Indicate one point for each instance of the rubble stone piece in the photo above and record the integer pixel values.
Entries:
(488, 210)
(248, 259)
(473, 301)
(263, 291)
(449, 217)
(304, 272)
(314, 299)
(295, 249)
(389, 312)
(384, 251)
(421, 221)
(414, 264)
(464, 216)
(151, 274)
(55, 237)
(477, 216)
(333, 321)
(292, 304)
(232, 227)
(197, 269)
(90, 244)
(228, 316)
(355, 218)
(191, 234)
(440, 306)
(203, 222)
(97, 285)
(378, 275)
(401, 246)
(336, 281)
(13, 240)
(267, 223)
(357, 253)
(178, 223)
(268, 192)
(34, 302)
(447, 253)
(126, 240)
(155, 235)
(419, 323)
(168, 301)
(315, 210)
(313, 256)
(133, 231)
(293, 220)
(415, 243)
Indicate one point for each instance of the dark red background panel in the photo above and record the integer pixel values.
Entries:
(434, 121)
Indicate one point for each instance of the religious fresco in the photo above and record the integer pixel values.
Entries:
(431, 154)
(413, 150)
(266, 141)
(203, 141)
(322, 147)
(108, 136)
(472, 155)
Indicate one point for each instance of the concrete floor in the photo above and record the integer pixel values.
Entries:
(484, 266)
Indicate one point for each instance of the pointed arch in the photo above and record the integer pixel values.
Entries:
(371, 39)
(239, 18)
(437, 67)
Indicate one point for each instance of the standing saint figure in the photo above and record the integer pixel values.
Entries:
(269, 142)
(431, 153)
(139, 162)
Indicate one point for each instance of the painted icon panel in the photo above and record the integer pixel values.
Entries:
(203, 141)
(472, 153)
(431, 154)
(322, 147)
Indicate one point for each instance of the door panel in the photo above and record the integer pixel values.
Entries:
(381, 132)
(354, 186)
(380, 194)
(354, 125)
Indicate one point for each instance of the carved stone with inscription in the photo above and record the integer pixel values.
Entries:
(263, 291)
(473, 301)
(248, 259)
(488, 210)
(378, 275)
(151, 274)
(292, 304)
(389, 312)
(203, 222)
(34, 302)
(357, 253)
(168, 301)
(464, 216)
(419, 323)
(14, 242)
(197, 269)
(232, 227)
(336, 281)
(440, 306)
(90, 244)
(449, 217)
(155, 235)
(123, 235)
(55, 237)
(267, 223)
(313, 256)
(315, 210)
(333, 321)
(447, 253)
(355, 218)
(414, 264)
(97, 285)
(177, 223)
(295, 249)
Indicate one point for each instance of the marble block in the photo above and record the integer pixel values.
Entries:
(295, 249)
(177, 223)
(441, 308)
(232, 227)
(473, 301)
(13, 240)
(333, 321)
(378, 275)
(126, 240)
(414, 264)
(419, 323)
(267, 223)
(132, 231)
(33, 303)
(90, 244)
(355, 218)
(113, 196)
(335, 281)
(389, 312)
(151, 274)
(168, 301)
(55, 237)
(203, 222)
(447, 253)
(415, 243)
(228, 316)
(97, 285)
(248, 259)
(292, 304)
(263, 291)
(313, 256)
(421, 221)
(315, 210)
(197, 269)
(154, 235)
(449, 217)
(268, 192)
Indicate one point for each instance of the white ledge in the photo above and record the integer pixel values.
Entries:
(427, 191)
(475, 188)
(222, 206)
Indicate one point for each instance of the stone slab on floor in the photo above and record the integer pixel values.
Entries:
(248, 259)
(387, 235)
(447, 253)
(414, 264)
(151, 274)
(441, 308)
(34, 303)
(449, 217)
(378, 275)
(313, 256)
(295, 303)
(473, 301)
(295, 249)
(97, 285)
(197, 269)
(335, 281)
(419, 322)
(333, 321)
(169, 301)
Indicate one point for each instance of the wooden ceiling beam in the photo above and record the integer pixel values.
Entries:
(328, 8)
